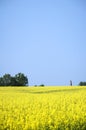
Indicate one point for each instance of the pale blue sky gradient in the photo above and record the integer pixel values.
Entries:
(44, 39)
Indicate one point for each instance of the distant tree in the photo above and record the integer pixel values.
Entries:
(6, 80)
(35, 85)
(18, 80)
(82, 83)
(42, 85)
(1, 81)
(21, 79)
(13, 81)
(70, 82)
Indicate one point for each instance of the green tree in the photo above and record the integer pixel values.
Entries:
(42, 85)
(21, 79)
(13, 81)
(82, 83)
(18, 80)
(1, 81)
(7, 80)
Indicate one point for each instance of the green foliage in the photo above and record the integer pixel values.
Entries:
(7, 80)
(21, 79)
(82, 83)
(18, 80)
(42, 85)
(1, 81)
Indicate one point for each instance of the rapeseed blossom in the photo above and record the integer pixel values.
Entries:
(47, 108)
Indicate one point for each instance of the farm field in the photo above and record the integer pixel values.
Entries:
(43, 108)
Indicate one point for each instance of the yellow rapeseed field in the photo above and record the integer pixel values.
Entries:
(43, 108)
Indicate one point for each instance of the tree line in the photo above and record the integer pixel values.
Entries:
(82, 83)
(21, 80)
(18, 80)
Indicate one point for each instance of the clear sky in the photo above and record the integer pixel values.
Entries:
(44, 39)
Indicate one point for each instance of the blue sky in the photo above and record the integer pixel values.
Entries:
(44, 39)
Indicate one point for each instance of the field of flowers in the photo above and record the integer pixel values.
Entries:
(43, 108)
